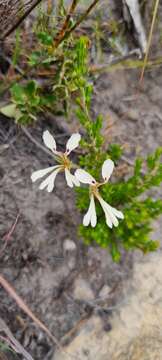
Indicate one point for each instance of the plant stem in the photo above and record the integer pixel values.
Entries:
(49, 7)
(66, 23)
(149, 40)
(81, 19)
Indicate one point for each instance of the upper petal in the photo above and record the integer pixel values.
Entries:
(107, 169)
(40, 173)
(49, 140)
(84, 177)
(73, 142)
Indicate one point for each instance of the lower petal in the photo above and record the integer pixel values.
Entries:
(68, 178)
(112, 216)
(109, 222)
(117, 213)
(75, 181)
(90, 216)
(71, 179)
(110, 219)
(49, 182)
(40, 173)
(86, 219)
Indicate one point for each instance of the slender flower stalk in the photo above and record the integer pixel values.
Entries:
(111, 214)
(62, 158)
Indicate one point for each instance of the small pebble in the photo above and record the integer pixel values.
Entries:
(105, 291)
(82, 290)
(69, 246)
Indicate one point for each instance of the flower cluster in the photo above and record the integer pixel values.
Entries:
(62, 158)
(111, 214)
(80, 176)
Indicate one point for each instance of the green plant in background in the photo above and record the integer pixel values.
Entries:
(64, 70)
(134, 231)
(52, 63)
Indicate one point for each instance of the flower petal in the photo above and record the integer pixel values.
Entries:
(73, 142)
(84, 177)
(90, 216)
(110, 219)
(107, 169)
(93, 213)
(117, 213)
(71, 179)
(40, 173)
(49, 182)
(111, 212)
(49, 140)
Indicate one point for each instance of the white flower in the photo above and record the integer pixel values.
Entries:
(111, 214)
(63, 160)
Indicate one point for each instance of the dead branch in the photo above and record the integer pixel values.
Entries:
(10, 290)
(12, 13)
(12, 342)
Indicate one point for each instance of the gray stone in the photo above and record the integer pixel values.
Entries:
(133, 115)
(69, 246)
(104, 292)
(82, 290)
(70, 252)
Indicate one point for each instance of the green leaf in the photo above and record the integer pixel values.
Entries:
(18, 94)
(31, 88)
(115, 151)
(45, 38)
(115, 252)
(97, 126)
(8, 110)
(11, 111)
(81, 51)
(35, 58)
(153, 159)
(137, 167)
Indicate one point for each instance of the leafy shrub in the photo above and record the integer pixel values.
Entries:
(134, 231)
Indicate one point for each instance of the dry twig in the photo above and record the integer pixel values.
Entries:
(7, 237)
(10, 290)
(66, 23)
(80, 20)
(149, 40)
(13, 343)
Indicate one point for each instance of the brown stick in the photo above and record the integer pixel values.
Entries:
(7, 237)
(10, 290)
(49, 7)
(149, 40)
(66, 23)
(81, 19)
(12, 342)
